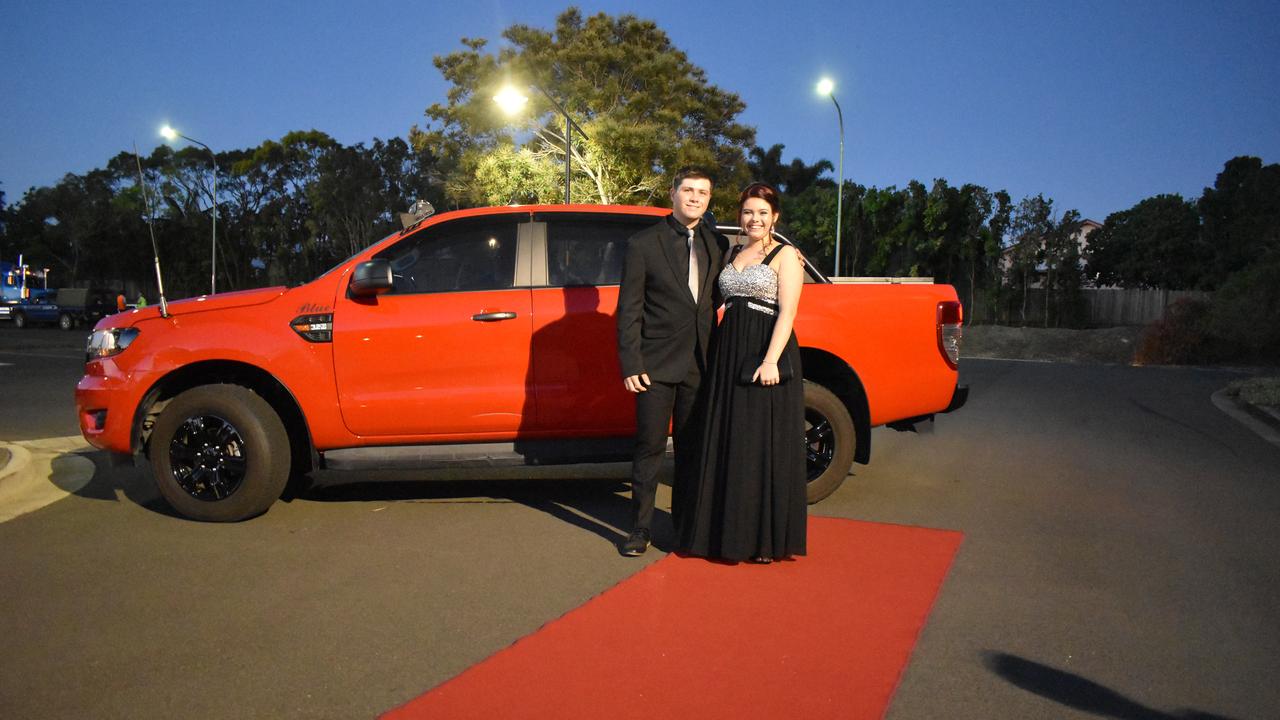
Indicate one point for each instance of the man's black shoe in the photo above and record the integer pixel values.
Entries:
(636, 543)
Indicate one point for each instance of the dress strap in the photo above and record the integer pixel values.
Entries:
(733, 253)
(773, 254)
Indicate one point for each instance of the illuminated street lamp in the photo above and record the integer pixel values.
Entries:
(512, 101)
(827, 87)
(170, 134)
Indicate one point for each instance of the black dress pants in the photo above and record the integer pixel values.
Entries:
(677, 404)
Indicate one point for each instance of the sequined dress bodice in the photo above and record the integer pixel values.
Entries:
(757, 281)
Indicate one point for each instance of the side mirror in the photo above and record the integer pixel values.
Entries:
(370, 279)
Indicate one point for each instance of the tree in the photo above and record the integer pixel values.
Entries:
(766, 166)
(646, 109)
(1241, 216)
(809, 220)
(976, 244)
(1029, 223)
(880, 211)
(358, 192)
(791, 178)
(1154, 244)
(1061, 261)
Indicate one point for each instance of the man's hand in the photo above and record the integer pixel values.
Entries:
(637, 383)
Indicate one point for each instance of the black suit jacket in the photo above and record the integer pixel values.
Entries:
(661, 330)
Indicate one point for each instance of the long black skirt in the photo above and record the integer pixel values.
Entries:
(749, 500)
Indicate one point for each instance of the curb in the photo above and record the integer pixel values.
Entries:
(41, 472)
(16, 459)
(1264, 422)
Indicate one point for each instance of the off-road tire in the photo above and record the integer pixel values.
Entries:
(219, 453)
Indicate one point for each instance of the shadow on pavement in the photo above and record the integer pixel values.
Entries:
(591, 504)
(112, 483)
(1076, 692)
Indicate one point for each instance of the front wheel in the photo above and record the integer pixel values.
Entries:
(19, 320)
(66, 322)
(829, 441)
(220, 453)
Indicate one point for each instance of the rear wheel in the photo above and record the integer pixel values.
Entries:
(19, 320)
(66, 322)
(220, 453)
(829, 441)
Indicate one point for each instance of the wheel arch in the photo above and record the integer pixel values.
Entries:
(835, 374)
(213, 372)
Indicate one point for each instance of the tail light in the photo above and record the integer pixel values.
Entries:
(950, 330)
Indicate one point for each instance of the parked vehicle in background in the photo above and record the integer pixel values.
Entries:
(67, 307)
(480, 336)
(20, 283)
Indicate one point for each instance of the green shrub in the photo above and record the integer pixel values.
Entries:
(1246, 312)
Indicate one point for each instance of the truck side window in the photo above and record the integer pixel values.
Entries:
(462, 255)
(588, 249)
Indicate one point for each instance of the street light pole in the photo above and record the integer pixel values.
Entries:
(827, 87)
(568, 157)
(170, 133)
(512, 100)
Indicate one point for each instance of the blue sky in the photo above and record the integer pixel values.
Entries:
(1095, 104)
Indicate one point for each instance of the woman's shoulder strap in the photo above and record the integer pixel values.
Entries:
(774, 253)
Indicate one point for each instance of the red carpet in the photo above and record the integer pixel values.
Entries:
(824, 636)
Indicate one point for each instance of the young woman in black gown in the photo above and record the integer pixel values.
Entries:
(749, 502)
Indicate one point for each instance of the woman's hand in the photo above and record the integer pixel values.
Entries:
(766, 374)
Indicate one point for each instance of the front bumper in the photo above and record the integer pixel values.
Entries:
(105, 404)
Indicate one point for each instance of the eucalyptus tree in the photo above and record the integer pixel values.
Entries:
(1060, 257)
(1029, 223)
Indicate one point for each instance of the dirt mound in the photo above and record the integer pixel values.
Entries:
(1104, 345)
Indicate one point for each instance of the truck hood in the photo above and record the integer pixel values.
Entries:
(204, 303)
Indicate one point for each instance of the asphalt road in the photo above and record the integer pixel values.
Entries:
(39, 368)
(1120, 560)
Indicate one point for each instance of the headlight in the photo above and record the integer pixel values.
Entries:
(105, 343)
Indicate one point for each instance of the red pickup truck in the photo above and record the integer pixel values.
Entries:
(479, 336)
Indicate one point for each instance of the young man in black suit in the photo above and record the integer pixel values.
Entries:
(666, 312)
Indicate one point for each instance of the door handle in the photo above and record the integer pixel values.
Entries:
(493, 316)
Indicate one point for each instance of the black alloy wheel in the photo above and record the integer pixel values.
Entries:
(819, 444)
(207, 457)
(829, 440)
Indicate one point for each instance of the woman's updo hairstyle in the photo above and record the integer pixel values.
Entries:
(765, 192)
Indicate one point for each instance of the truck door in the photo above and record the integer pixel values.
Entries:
(446, 352)
(575, 346)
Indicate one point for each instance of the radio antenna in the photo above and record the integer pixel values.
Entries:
(155, 250)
